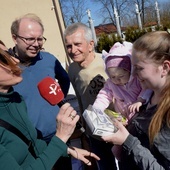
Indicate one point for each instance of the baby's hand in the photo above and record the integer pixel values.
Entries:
(135, 107)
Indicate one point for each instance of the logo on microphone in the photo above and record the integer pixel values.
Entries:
(50, 90)
(54, 89)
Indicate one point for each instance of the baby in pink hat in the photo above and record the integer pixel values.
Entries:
(121, 86)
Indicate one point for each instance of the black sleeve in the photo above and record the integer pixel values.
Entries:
(62, 77)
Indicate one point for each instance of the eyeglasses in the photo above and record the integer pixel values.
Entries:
(31, 40)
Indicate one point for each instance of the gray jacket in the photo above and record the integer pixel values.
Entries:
(137, 152)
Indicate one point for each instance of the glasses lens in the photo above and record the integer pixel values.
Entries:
(31, 41)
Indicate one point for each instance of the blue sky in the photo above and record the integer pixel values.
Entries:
(94, 11)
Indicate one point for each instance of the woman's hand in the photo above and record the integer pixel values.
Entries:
(82, 155)
(119, 137)
(66, 122)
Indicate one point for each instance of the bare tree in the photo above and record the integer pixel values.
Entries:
(147, 10)
(107, 9)
(126, 10)
(165, 13)
(73, 10)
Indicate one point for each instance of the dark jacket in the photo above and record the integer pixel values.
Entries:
(137, 152)
(14, 152)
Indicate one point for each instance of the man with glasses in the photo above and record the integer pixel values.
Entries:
(27, 33)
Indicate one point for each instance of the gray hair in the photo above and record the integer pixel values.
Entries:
(74, 27)
(30, 16)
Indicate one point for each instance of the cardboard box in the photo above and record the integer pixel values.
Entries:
(98, 122)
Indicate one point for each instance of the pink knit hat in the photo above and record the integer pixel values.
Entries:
(119, 56)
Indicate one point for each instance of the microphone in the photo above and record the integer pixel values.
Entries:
(51, 91)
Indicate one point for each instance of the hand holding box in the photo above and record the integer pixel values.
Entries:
(98, 122)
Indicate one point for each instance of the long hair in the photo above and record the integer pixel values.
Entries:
(162, 114)
(156, 46)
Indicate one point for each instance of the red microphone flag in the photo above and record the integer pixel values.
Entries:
(50, 90)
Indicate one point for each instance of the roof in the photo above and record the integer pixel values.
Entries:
(106, 28)
(150, 24)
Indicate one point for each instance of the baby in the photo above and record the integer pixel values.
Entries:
(121, 86)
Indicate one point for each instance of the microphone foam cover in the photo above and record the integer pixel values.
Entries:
(50, 90)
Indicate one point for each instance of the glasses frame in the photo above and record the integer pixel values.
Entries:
(33, 39)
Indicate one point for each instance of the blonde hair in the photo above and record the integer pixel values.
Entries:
(156, 46)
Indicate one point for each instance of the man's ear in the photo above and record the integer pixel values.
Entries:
(14, 37)
(91, 46)
(166, 67)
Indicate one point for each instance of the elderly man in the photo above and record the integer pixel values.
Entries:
(87, 76)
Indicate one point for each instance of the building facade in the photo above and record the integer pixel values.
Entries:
(50, 13)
